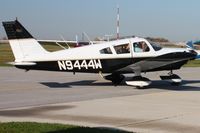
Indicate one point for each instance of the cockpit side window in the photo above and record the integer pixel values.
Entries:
(155, 46)
(122, 49)
(106, 51)
(140, 47)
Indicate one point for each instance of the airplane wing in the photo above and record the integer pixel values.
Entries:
(73, 43)
(60, 42)
(54, 41)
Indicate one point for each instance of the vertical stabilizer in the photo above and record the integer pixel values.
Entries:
(22, 43)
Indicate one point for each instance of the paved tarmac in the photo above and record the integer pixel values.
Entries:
(86, 99)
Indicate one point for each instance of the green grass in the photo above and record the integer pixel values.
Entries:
(193, 63)
(33, 127)
(5, 54)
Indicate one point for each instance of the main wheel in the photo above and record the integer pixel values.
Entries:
(115, 78)
(139, 82)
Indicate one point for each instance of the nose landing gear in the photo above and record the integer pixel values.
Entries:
(172, 78)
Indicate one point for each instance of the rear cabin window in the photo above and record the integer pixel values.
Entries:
(106, 51)
(122, 49)
(140, 47)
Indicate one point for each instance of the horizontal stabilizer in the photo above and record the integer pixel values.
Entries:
(22, 43)
(22, 63)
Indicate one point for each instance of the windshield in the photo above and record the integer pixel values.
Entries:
(155, 46)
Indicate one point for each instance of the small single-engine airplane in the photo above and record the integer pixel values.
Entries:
(115, 58)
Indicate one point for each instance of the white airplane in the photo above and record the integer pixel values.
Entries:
(115, 58)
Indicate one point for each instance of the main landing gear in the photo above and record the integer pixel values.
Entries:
(115, 78)
(172, 78)
(139, 82)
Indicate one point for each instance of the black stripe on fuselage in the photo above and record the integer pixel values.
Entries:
(107, 65)
(164, 62)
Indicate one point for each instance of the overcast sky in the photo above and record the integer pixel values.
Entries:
(177, 20)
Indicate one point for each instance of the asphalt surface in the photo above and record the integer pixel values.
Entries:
(87, 99)
(19, 88)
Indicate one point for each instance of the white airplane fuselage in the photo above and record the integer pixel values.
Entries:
(131, 55)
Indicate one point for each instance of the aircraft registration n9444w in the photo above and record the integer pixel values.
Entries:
(79, 64)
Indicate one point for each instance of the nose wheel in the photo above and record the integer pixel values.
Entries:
(174, 79)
